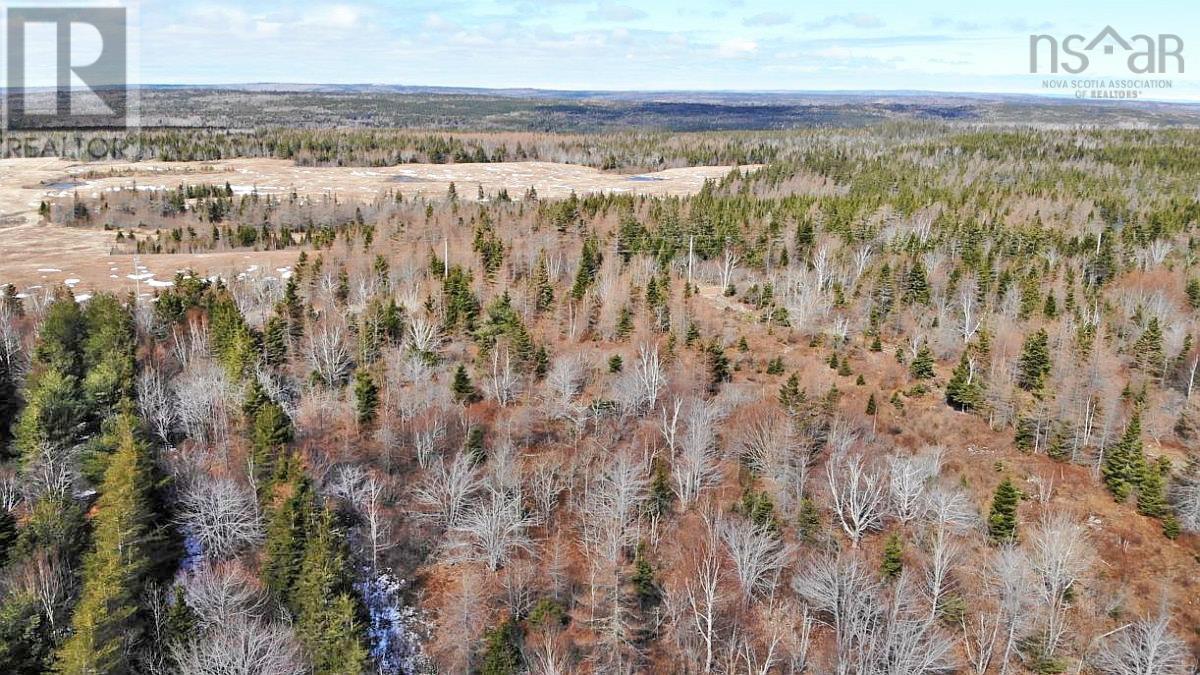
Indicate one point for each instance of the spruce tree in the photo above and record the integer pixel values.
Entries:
(366, 397)
(589, 264)
(1152, 488)
(644, 582)
(790, 394)
(921, 367)
(502, 650)
(718, 366)
(54, 415)
(1122, 467)
(1148, 350)
(1193, 292)
(106, 619)
(275, 341)
(324, 605)
(543, 289)
(916, 288)
(1002, 519)
(288, 521)
(964, 390)
(893, 557)
(1034, 363)
(462, 388)
(269, 438)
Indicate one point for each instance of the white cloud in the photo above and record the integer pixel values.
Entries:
(438, 24)
(607, 11)
(852, 20)
(342, 17)
(737, 47)
(767, 19)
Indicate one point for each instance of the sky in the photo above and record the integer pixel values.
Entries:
(744, 45)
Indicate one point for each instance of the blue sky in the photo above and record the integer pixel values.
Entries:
(621, 44)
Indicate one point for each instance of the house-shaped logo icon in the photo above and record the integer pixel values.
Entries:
(1108, 32)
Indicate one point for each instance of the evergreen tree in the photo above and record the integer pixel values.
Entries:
(661, 494)
(644, 582)
(964, 390)
(275, 341)
(1193, 292)
(589, 264)
(624, 323)
(108, 353)
(1123, 463)
(921, 367)
(790, 394)
(1002, 519)
(1148, 350)
(324, 605)
(543, 289)
(808, 521)
(718, 366)
(26, 636)
(61, 335)
(462, 388)
(502, 650)
(1152, 488)
(1034, 363)
(916, 288)
(872, 406)
(106, 622)
(269, 438)
(288, 521)
(366, 397)
(460, 307)
(893, 557)
(54, 415)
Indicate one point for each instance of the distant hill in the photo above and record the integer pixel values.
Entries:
(242, 106)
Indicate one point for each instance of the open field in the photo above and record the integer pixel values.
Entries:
(35, 254)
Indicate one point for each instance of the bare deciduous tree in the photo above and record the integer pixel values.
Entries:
(328, 354)
(503, 385)
(218, 593)
(757, 554)
(638, 389)
(1185, 498)
(908, 480)
(492, 532)
(155, 404)
(242, 646)
(1144, 647)
(443, 494)
(1061, 555)
(704, 595)
(221, 515)
(843, 590)
(695, 467)
(858, 495)
(771, 448)
(613, 505)
(367, 493)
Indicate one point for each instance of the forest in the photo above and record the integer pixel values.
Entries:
(918, 397)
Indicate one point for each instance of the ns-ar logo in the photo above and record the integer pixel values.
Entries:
(1145, 54)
